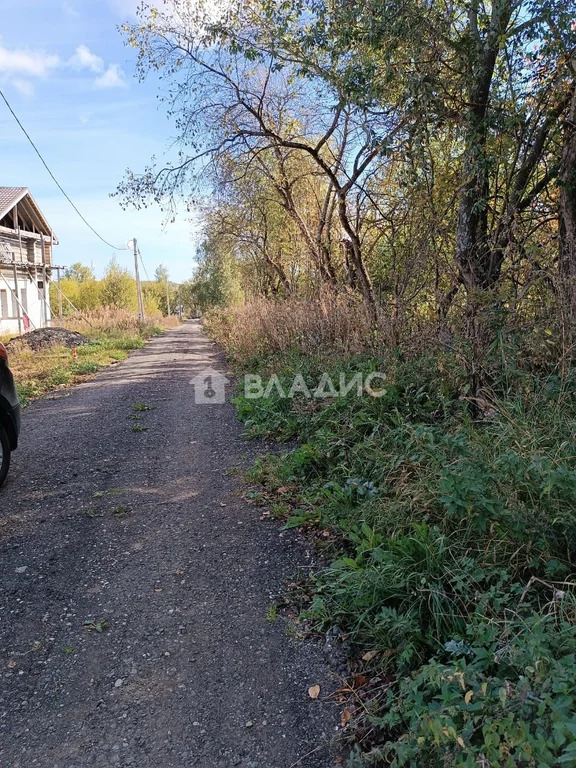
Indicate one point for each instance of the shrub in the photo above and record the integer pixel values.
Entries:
(456, 528)
(504, 696)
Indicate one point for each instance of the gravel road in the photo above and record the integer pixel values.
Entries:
(144, 534)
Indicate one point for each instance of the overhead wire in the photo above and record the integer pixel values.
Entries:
(144, 265)
(45, 164)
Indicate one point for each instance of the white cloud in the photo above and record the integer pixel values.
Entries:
(25, 87)
(112, 78)
(85, 59)
(19, 66)
(27, 62)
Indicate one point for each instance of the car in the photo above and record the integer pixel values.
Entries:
(9, 415)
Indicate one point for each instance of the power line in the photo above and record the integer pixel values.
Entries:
(144, 266)
(45, 164)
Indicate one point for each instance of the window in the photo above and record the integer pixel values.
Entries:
(4, 303)
(17, 307)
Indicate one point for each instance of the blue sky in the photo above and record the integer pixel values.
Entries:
(70, 79)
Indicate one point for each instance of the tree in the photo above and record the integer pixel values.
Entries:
(217, 279)
(164, 290)
(161, 275)
(118, 288)
(567, 202)
(418, 154)
(79, 272)
(494, 75)
(254, 111)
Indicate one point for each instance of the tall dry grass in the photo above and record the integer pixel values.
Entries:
(332, 323)
(111, 334)
(106, 320)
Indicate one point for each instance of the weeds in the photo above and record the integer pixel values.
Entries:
(112, 335)
(272, 613)
(120, 509)
(455, 576)
(97, 625)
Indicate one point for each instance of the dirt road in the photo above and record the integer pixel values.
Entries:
(144, 535)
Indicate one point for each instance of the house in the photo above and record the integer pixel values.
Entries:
(26, 242)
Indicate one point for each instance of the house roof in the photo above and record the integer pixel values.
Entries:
(11, 196)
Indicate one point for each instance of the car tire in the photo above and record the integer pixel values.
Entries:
(4, 454)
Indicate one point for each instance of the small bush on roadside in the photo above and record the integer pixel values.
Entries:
(503, 695)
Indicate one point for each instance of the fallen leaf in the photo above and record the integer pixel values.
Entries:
(369, 655)
(345, 718)
(343, 689)
(314, 691)
(284, 489)
(359, 681)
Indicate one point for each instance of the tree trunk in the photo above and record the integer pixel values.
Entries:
(567, 209)
(479, 267)
(354, 252)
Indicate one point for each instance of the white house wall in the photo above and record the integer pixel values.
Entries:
(38, 311)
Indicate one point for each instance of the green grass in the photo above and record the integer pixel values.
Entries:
(37, 373)
(456, 539)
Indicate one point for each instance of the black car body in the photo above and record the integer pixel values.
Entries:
(9, 414)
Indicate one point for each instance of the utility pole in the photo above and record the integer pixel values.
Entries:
(168, 296)
(138, 283)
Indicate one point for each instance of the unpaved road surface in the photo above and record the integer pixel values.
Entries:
(145, 534)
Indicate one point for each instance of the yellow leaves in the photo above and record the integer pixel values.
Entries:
(450, 733)
(314, 691)
(369, 655)
(468, 697)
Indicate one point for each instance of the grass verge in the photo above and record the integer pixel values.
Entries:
(453, 580)
(111, 337)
